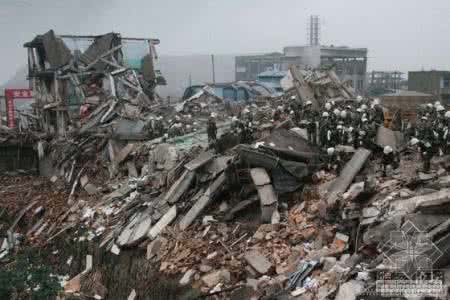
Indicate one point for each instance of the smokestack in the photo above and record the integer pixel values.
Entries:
(314, 31)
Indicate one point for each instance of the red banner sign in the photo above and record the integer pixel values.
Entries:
(16, 99)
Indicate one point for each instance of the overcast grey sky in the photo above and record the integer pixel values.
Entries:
(401, 34)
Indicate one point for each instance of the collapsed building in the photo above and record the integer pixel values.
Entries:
(78, 76)
(257, 220)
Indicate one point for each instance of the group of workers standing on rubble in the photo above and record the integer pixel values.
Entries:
(430, 134)
(353, 124)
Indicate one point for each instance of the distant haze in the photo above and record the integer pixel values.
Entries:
(402, 34)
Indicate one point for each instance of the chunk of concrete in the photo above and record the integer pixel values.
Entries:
(170, 215)
(258, 262)
(434, 203)
(216, 277)
(199, 161)
(259, 176)
(180, 187)
(155, 246)
(444, 182)
(370, 212)
(328, 263)
(349, 172)
(198, 207)
(187, 277)
(267, 195)
(350, 290)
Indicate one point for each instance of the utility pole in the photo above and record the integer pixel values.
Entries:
(213, 69)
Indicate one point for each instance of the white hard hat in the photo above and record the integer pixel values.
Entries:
(359, 98)
(430, 105)
(440, 108)
(359, 110)
(234, 119)
(213, 115)
(336, 111)
(414, 141)
(339, 127)
(363, 107)
(330, 151)
(364, 120)
(437, 103)
(328, 106)
(245, 111)
(293, 97)
(376, 101)
(447, 114)
(350, 129)
(308, 103)
(343, 114)
(325, 114)
(387, 149)
(424, 118)
(279, 107)
(177, 117)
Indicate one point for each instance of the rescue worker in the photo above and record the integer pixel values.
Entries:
(212, 130)
(378, 116)
(427, 152)
(388, 159)
(310, 117)
(446, 134)
(277, 114)
(325, 130)
(333, 160)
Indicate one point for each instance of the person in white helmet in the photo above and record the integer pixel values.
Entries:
(333, 160)
(325, 130)
(445, 134)
(359, 99)
(212, 130)
(310, 116)
(388, 159)
(328, 106)
(378, 114)
(440, 112)
(277, 115)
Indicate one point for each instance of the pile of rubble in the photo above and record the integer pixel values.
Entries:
(199, 215)
(240, 221)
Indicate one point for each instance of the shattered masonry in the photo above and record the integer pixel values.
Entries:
(254, 214)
